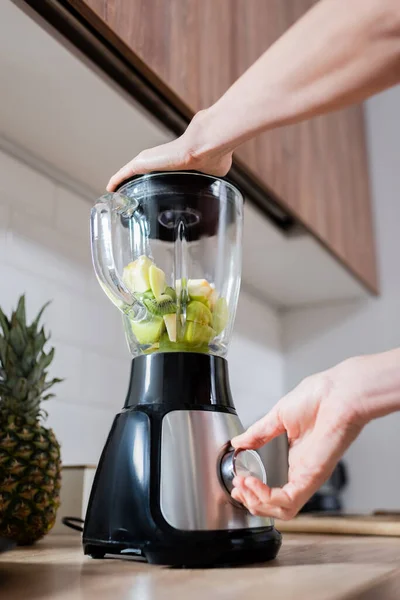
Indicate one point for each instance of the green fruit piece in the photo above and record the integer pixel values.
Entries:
(167, 346)
(148, 332)
(163, 306)
(171, 292)
(152, 349)
(136, 275)
(170, 324)
(198, 312)
(201, 299)
(213, 297)
(220, 315)
(157, 281)
(148, 295)
(197, 333)
(199, 289)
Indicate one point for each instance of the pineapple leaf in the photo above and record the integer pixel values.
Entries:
(20, 312)
(12, 358)
(33, 328)
(35, 374)
(39, 341)
(24, 366)
(17, 338)
(32, 395)
(4, 323)
(3, 352)
(28, 359)
(50, 383)
(45, 359)
(20, 390)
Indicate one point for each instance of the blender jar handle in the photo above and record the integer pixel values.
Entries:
(104, 263)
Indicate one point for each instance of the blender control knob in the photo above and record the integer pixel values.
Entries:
(244, 463)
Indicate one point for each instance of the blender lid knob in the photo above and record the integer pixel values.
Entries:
(243, 463)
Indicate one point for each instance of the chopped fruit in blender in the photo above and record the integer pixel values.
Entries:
(220, 315)
(206, 315)
(199, 289)
(148, 332)
(197, 333)
(213, 297)
(171, 292)
(198, 312)
(157, 281)
(170, 324)
(136, 275)
(163, 306)
(167, 346)
(152, 348)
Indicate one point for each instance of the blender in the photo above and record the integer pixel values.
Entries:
(166, 250)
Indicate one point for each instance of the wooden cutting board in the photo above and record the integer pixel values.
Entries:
(380, 523)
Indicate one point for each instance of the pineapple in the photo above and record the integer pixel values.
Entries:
(30, 465)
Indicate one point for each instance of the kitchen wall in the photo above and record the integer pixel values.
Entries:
(318, 337)
(44, 252)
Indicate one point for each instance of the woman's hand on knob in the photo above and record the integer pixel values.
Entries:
(321, 417)
(192, 151)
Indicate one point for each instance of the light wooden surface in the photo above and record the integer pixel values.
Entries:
(381, 525)
(197, 49)
(313, 567)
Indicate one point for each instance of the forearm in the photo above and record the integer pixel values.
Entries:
(339, 53)
(380, 384)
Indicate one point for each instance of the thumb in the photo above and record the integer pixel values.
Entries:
(262, 432)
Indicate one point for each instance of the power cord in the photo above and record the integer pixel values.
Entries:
(71, 523)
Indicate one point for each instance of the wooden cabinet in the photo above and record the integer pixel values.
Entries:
(196, 49)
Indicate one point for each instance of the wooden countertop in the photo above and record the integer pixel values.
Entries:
(309, 567)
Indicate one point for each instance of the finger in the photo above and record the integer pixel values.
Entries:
(237, 495)
(127, 171)
(166, 157)
(250, 499)
(243, 494)
(262, 432)
(262, 506)
(255, 499)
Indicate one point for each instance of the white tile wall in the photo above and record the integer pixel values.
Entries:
(26, 188)
(256, 362)
(44, 252)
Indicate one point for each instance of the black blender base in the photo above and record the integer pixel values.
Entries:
(258, 547)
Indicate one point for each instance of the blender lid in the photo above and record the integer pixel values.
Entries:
(169, 174)
(165, 200)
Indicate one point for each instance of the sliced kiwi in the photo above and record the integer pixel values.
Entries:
(148, 295)
(163, 306)
(170, 292)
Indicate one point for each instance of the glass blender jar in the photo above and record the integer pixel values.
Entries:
(167, 251)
